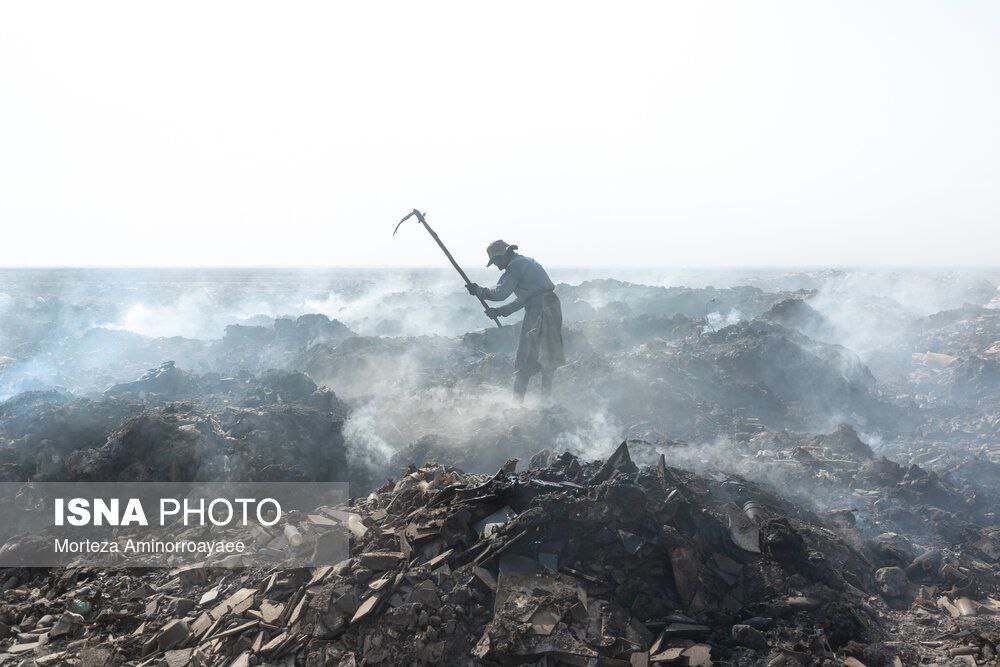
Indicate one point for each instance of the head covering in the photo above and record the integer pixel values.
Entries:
(497, 250)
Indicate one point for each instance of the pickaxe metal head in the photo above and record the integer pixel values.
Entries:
(414, 212)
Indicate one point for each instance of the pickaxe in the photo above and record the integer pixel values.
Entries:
(423, 221)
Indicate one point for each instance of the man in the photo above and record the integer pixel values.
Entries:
(540, 347)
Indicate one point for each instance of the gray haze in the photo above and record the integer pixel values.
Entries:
(241, 133)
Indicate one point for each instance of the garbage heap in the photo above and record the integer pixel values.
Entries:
(566, 563)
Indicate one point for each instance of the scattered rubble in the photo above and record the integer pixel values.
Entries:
(575, 562)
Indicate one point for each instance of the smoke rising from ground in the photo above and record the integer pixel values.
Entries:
(664, 356)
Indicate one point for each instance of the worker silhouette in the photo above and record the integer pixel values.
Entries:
(540, 347)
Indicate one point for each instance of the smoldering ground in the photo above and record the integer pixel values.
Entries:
(420, 375)
(854, 411)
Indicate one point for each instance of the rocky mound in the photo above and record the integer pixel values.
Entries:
(180, 442)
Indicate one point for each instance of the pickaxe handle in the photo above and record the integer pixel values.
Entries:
(420, 218)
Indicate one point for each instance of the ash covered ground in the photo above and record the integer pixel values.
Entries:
(735, 467)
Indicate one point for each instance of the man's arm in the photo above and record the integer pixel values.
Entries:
(505, 287)
(510, 308)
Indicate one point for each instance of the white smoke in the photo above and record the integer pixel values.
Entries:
(595, 437)
(717, 320)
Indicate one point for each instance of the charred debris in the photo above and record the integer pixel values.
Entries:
(703, 488)
(565, 563)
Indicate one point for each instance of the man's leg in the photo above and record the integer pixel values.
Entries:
(547, 380)
(521, 378)
(526, 360)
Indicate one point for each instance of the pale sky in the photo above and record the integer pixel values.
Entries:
(614, 133)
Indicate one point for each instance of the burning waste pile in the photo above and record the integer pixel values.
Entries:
(566, 563)
(809, 476)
